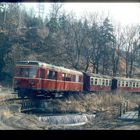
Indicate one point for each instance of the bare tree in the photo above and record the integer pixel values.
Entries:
(116, 50)
(130, 48)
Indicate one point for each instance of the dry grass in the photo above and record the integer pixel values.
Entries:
(91, 103)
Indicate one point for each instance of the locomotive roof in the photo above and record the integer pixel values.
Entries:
(42, 64)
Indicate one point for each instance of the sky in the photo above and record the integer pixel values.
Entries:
(120, 13)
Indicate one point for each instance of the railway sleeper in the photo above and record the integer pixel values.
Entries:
(27, 105)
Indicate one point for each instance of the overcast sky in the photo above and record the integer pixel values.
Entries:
(123, 13)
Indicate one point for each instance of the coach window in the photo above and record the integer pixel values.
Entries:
(106, 82)
(133, 84)
(122, 83)
(137, 85)
(91, 81)
(99, 82)
(103, 82)
(95, 81)
(126, 84)
(109, 82)
(119, 83)
(130, 84)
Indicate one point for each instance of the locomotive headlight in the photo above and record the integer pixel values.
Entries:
(32, 83)
(16, 83)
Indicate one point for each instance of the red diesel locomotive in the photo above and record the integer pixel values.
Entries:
(34, 78)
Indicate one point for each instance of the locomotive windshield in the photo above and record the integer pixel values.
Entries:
(26, 72)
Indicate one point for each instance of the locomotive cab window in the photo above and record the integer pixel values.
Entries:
(68, 77)
(73, 78)
(26, 72)
(50, 74)
(33, 72)
(63, 77)
(42, 73)
(77, 78)
(54, 75)
(80, 79)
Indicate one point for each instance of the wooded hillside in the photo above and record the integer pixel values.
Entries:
(88, 44)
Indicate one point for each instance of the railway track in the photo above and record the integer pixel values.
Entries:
(26, 104)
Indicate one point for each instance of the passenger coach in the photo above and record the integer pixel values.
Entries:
(127, 84)
(96, 82)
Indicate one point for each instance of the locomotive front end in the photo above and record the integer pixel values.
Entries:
(26, 79)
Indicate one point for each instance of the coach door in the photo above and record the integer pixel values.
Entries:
(42, 76)
(55, 74)
(63, 79)
(86, 79)
(114, 84)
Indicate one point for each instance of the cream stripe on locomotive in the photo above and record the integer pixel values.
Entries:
(48, 80)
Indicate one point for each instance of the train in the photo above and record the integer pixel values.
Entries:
(35, 78)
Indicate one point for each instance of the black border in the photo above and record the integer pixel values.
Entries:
(69, 134)
(65, 1)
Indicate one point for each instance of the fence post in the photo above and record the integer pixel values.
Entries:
(139, 112)
(121, 109)
(126, 105)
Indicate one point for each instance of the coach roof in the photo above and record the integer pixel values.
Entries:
(97, 75)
